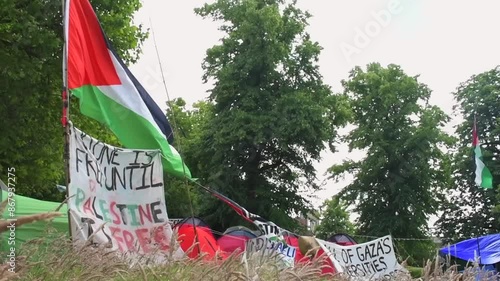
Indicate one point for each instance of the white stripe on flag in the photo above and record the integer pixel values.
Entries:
(127, 95)
(479, 171)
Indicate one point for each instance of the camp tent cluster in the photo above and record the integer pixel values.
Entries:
(195, 237)
(116, 195)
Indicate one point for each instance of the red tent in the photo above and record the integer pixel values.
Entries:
(188, 229)
(328, 267)
(235, 238)
(292, 239)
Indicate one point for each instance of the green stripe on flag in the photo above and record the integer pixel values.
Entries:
(483, 175)
(133, 130)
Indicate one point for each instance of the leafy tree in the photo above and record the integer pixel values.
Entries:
(399, 183)
(470, 211)
(272, 111)
(31, 77)
(334, 219)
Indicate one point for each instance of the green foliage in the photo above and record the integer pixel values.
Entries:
(272, 112)
(183, 200)
(470, 212)
(28, 40)
(416, 252)
(399, 183)
(334, 219)
(31, 78)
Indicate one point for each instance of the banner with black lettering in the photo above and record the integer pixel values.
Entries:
(272, 247)
(117, 196)
(374, 259)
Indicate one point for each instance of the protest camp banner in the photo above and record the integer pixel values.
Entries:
(174, 221)
(373, 259)
(117, 196)
(272, 247)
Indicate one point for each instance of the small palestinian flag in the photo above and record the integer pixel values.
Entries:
(483, 176)
(108, 92)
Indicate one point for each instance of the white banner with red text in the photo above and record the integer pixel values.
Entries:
(117, 197)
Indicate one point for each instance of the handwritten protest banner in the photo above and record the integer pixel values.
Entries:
(270, 247)
(374, 259)
(269, 228)
(117, 196)
(174, 221)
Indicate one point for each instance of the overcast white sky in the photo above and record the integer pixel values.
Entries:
(444, 41)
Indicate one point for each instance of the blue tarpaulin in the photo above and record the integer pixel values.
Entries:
(487, 248)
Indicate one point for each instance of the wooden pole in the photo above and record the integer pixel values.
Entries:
(65, 106)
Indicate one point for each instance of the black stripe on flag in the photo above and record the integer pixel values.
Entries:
(156, 112)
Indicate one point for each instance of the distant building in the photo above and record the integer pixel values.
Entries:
(310, 221)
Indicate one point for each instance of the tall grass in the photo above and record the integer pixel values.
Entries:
(56, 258)
(60, 260)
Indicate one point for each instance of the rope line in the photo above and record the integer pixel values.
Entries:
(394, 238)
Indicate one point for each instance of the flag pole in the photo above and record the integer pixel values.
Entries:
(65, 106)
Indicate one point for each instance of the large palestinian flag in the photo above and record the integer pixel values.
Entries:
(483, 175)
(109, 93)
